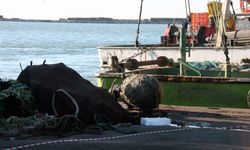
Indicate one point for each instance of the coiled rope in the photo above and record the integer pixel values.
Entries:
(70, 97)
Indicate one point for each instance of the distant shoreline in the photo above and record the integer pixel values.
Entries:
(100, 20)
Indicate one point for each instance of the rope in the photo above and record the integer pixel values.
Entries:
(70, 97)
(66, 122)
(112, 86)
(99, 139)
(4, 95)
(232, 5)
(20, 128)
(138, 28)
(143, 51)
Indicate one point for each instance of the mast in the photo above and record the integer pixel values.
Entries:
(188, 15)
(222, 28)
(221, 39)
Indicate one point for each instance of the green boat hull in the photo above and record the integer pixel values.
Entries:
(205, 93)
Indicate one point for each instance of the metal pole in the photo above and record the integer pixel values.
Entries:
(189, 9)
(182, 47)
(186, 8)
(138, 28)
(189, 17)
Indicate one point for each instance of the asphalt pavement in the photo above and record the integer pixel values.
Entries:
(145, 138)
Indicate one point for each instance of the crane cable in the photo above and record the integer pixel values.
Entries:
(138, 28)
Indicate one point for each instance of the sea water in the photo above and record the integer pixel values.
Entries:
(74, 44)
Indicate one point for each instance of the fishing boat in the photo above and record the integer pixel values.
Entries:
(202, 39)
(174, 61)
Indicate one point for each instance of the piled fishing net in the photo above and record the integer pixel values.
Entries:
(206, 65)
(16, 99)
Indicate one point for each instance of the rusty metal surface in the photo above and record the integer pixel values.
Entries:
(173, 78)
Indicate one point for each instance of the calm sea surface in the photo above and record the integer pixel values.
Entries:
(73, 44)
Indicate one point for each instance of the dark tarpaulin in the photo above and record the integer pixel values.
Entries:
(44, 80)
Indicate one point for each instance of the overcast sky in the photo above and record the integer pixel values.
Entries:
(125, 9)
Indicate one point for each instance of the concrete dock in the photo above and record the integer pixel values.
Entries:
(203, 128)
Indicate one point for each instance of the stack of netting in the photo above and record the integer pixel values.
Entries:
(206, 65)
(16, 99)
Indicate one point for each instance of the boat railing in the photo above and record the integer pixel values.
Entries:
(182, 72)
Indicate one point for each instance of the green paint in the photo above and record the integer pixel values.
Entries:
(231, 95)
(205, 94)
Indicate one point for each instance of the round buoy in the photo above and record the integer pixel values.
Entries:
(142, 91)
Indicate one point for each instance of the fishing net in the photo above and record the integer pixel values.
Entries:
(55, 100)
(16, 99)
(206, 65)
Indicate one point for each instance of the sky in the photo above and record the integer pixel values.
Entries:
(119, 9)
